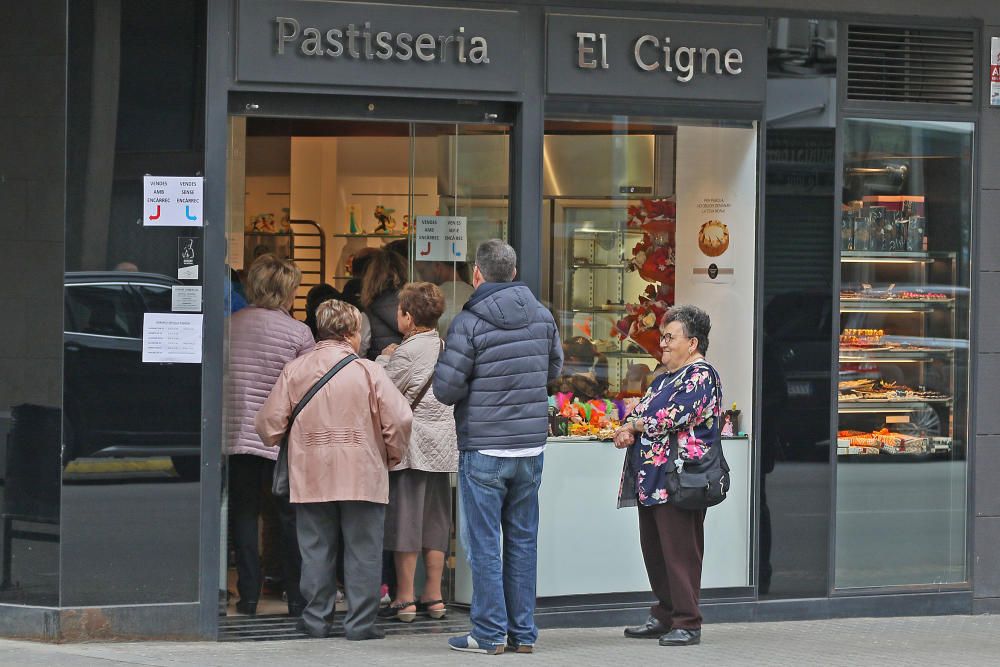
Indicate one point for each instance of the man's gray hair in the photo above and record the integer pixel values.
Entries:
(497, 261)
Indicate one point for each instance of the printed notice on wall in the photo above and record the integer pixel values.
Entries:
(172, 201)
(995, 71)
(185, 298)
(441, 238)
(171, 337)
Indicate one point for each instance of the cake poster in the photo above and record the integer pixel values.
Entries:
(716, 244)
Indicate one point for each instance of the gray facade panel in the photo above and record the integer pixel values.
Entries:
(988, 321)
(986, 573)
(988, 375)
(988, 238)
(987, 471)
(989, 146)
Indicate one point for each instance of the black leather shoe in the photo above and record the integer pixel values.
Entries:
(295, 610)
(301, 626)
(652, 629)
(247, 608)
(681, 637)
(370, 633)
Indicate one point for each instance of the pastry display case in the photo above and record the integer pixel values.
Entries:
(903, 346)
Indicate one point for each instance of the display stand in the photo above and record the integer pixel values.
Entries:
(587, 546)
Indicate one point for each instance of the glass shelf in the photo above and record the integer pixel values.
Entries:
(893, 305)
(866, 406)
(893, 356)
(861, 256)
(599, 266)
(370, 236)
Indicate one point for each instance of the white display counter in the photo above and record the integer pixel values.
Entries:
(588, 546)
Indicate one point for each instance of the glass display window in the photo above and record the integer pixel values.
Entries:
(642, 215)
(903, 353)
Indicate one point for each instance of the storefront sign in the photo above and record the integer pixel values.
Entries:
(639, 57)
(995, 71)
(441, 238)
(346, 43)
(172, 201)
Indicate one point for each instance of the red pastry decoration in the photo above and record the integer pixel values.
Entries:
(654, 259)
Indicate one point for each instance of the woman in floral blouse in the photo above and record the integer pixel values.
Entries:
(685, 403)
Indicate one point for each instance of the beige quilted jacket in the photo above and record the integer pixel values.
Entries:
(433, 443)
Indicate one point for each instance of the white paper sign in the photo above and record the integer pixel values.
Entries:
(172, 201)
(234, 250)
(995, 71)
(441, 238)
(171, 337)
(184, 298)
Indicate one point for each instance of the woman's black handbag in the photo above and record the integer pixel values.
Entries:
(697, 485)
(280, 486)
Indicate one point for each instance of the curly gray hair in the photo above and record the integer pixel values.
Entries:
(696, 322)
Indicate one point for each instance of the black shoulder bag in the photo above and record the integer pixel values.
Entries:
(279, 484)
(697, 485)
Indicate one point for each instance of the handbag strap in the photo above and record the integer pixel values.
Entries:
(423, 390)
(319, 385)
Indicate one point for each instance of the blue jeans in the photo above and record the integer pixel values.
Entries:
(499, 499)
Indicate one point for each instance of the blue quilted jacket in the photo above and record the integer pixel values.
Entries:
(501, 352)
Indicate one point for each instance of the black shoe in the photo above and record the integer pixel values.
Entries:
(681, 637)
(246, 608)
(301, 626)
(295, 610)
(652, 629)
(370, 633)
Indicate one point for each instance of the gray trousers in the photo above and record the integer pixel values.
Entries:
(318, 526)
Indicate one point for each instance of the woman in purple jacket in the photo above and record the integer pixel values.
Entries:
(263, 337)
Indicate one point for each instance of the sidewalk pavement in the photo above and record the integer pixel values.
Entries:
(964, 641)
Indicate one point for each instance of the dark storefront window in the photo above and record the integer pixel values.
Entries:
(798, 308)
(131, 444)
(904, 353)
(32, 197)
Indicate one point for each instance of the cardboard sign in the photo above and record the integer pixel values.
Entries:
(441, 238)
(172, 201)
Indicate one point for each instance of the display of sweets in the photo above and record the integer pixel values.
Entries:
(884, 223)
(861, 337)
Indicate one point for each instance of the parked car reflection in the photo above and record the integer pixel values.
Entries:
(114, 404)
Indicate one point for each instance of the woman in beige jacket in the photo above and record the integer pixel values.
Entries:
(419, 515)
(340, 449)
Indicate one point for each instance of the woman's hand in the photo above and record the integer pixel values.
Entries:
(389, 349)
(624, 437)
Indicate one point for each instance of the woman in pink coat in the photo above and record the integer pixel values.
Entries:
(262, 338)
(340, 449)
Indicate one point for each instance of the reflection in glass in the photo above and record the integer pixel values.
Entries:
(132, 430)
(904, 350)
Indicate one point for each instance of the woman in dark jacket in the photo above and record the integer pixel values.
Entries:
(385, 274)
(685, 403)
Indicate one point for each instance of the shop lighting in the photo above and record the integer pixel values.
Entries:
(880, 310)
(872, 410)
(859, 360)
(886, 260)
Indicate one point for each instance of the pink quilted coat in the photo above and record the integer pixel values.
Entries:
(261, 342)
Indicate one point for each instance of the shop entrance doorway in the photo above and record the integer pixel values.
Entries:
(328, 193)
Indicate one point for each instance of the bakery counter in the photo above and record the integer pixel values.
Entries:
(588, 546)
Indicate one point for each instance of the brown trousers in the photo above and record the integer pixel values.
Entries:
(673, 544)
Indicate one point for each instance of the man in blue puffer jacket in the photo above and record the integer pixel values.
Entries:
(501, 352)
